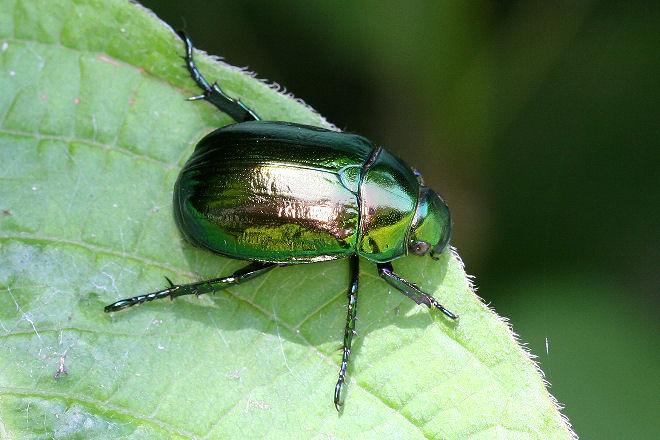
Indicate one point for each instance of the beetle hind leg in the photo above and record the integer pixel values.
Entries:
(238, 111)
(349, 330)
(199, 288)
(386, 271)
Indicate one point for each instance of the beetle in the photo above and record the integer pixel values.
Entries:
(279, 194)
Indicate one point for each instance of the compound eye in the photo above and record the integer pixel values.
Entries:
(420, 247)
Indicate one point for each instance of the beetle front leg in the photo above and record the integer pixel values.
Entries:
(386, 271)
(199, 288)
(238, 111)
(349, 330)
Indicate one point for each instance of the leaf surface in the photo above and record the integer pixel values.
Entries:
(93, 131)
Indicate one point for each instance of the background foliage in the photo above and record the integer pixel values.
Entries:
(538, 121)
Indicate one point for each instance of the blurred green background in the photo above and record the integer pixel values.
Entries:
(540, 124)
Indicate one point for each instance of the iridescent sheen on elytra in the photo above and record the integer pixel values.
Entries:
(286, 193)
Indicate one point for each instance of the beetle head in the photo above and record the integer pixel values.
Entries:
(431, 227)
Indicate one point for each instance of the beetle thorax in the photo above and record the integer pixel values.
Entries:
(388, 196)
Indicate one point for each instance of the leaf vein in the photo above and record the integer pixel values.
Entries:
(40, 239)
(98, 406)
(105, 147)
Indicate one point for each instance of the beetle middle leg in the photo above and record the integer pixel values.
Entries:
(386, 271)
(247, 273)
(349, 331)
(238, 111)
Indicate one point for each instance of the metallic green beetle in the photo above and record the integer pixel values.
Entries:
(278, 193)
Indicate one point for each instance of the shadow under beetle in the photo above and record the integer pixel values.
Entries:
(278, 193)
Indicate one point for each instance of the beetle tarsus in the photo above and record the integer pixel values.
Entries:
(338, 405)
(349, 330)
(238, 111)
(444, 310)
(129, 302)
(386, 271)
(249, 272)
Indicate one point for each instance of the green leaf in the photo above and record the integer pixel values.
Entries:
(94, 128)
